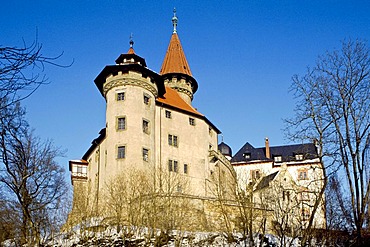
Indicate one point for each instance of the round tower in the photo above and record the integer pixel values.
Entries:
(130, 90)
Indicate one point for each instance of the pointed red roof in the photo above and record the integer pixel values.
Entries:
(175, 60)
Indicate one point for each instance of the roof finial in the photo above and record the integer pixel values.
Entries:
(131, 41)
(174, 20)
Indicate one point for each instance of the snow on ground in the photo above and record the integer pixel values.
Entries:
(186, 239)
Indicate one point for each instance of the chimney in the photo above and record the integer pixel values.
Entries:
(267, 147)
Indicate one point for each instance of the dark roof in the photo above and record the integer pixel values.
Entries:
(248, 153)
(287, 152)
(265, 181)
(225, 149)
(125, 68)
(95, 143)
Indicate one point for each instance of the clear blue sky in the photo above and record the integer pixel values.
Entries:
(242, 53)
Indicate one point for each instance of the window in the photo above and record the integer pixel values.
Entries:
(121, 123)
(305, 214)
(299, 156)
(302, 174)
(192, 121)
(304, 196)
(173, 140)
(247, 155)
(79, 170)
(278, 158)
(146, 99)
(170, 168)
(121, 152)
(145, 154)
(120, 96)
(168, 114)
(286, 195)
(186, 168)
(145, 126)
(255, 174)
(173, 166)
(179, 188)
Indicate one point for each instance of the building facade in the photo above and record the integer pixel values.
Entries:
(287, 180)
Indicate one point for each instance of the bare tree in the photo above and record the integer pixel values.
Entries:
(22, 70)
(31, 178)
(333, 108)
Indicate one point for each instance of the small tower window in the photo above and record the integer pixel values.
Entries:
(186, 168)
(121, 152)
(146, 99)
(192, 121)
(145, 126)
(168, 114)
(121, 123)
(145, 154)
(121, 96)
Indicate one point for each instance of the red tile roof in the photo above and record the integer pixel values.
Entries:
(175, 60)
(172, 98)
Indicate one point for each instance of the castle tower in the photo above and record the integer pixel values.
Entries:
(130, 90)
(175, 68)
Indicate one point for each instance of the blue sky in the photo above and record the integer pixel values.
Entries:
(242, 53)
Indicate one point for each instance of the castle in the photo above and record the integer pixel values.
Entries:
(154, 134)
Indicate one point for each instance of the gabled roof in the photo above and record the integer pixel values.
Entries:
(265, 181)
(175, 60)
(252, 152)
(287, 152)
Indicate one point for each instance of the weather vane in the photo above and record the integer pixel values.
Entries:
(131, 41)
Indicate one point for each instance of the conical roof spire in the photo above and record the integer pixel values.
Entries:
(175, 60)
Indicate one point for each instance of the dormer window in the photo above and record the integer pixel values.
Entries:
(247, 156)
(278, 158)
(299, 157)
